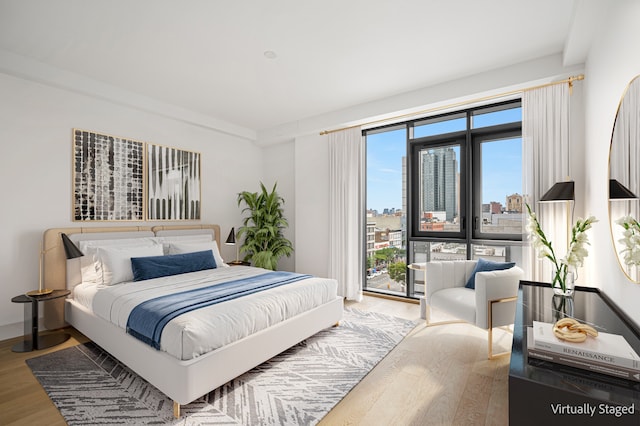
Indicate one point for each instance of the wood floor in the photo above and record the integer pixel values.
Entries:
(437, 375)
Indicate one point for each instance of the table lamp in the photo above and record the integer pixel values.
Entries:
(71, 252)
(618, 191)
(560, 191)
(231, 241)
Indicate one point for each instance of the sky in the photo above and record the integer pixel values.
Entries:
(502, 163)
(384, 169)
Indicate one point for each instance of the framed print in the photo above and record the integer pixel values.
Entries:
(108, 177)
(173, 183)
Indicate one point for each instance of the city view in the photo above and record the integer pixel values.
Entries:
(500, 212)
(387, 251)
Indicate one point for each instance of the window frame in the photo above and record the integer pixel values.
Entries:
(429, 142)
(405, 231)
(469, 184)
(478, 136)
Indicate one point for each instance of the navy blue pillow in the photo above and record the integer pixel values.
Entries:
(146, 268)
(487, 265)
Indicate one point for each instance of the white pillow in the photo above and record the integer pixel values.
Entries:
(90, 267)
(116, 261)
(184, 239)
(179, 248)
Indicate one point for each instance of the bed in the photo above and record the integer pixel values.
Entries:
(194, 352)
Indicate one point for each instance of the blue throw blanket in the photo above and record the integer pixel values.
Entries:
(147, 320)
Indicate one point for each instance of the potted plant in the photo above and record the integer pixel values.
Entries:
(264, 243)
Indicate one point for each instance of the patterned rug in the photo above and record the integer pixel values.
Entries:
(297, 387)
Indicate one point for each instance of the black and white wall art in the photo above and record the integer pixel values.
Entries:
(108, 177)
(173, 183)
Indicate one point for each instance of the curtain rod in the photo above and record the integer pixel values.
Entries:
(569, 81)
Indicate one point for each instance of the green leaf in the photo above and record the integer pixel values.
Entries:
(264, 243)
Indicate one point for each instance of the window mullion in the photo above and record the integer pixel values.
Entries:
(443, 159)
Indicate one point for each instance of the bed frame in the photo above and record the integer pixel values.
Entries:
(182, 381)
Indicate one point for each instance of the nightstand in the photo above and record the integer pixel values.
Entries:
(32, 339)
(238, 263)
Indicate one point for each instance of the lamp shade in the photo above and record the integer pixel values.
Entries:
(560, 191)
(70, 249)
(231, 239)
(618, 191)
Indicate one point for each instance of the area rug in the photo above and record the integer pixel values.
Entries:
(297, 387)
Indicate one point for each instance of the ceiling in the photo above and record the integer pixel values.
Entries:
(208, 56)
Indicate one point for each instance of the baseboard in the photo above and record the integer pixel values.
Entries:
(390, 297)
(10, 331)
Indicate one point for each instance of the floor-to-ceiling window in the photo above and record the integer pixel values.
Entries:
(442, 188)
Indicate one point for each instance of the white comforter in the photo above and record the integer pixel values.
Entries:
(198, 332)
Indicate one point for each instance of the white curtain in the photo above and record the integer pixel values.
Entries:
(545, 133)
(346, 211)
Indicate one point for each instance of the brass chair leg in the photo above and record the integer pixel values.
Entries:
(491, 355)
(176, 410)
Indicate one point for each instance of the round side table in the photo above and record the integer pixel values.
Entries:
(33, 341)
(238, 263)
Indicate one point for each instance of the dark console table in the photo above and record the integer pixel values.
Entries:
(545, 393)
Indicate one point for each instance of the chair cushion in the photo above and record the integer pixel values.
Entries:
(457, 301)
(486, 265)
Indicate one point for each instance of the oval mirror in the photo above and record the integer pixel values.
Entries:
(624, 182)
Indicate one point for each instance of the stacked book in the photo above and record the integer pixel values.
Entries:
(608, 353)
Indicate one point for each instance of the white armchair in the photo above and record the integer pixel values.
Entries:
(491, 304)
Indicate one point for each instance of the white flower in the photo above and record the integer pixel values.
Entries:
(624, 220)
(582, 238)
(577, 247)
(631, 240)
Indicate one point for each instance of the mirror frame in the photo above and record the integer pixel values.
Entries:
(632, 272)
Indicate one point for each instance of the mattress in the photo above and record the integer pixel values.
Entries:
(198, 332)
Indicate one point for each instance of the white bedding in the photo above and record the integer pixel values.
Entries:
(198, 332)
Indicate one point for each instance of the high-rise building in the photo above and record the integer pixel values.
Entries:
(439, 169)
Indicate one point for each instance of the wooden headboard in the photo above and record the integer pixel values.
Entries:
(55, 261)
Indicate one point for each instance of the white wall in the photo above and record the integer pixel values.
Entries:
(278, 164)
(612, 63)
(36, 123)
(493, 82)
(312, 205)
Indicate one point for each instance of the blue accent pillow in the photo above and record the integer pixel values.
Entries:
(146, 268)
(487, 265)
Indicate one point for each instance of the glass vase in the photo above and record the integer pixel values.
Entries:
(562, 307)
(563, 283)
